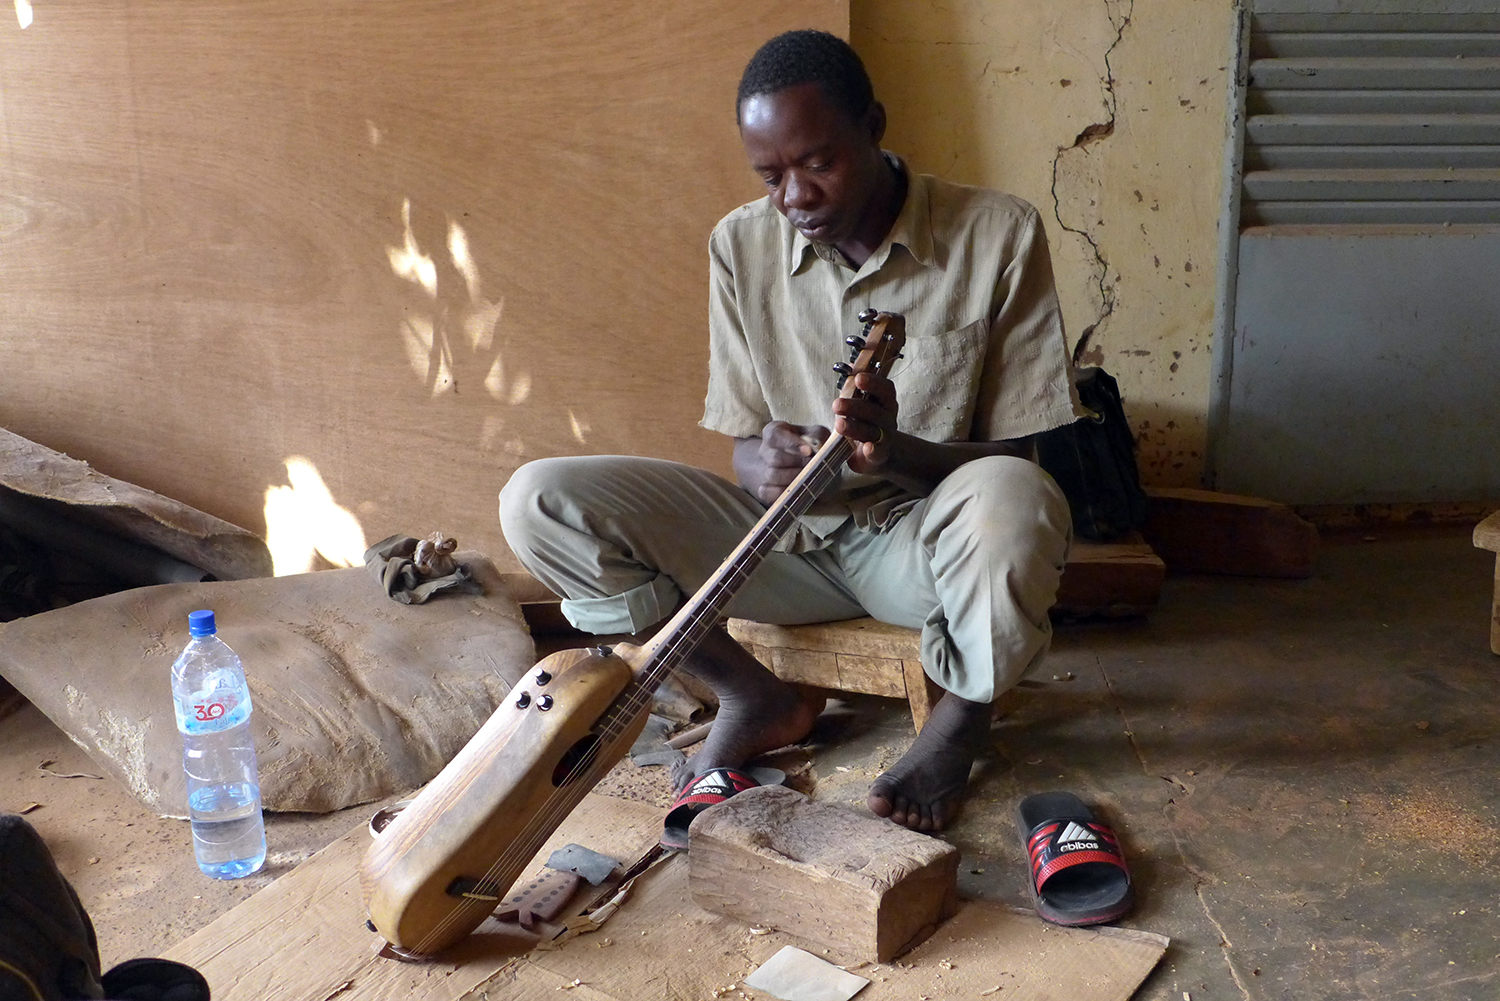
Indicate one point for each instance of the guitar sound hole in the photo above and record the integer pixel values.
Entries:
(576, 760)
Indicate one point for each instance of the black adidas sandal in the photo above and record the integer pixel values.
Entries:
(1078, 873)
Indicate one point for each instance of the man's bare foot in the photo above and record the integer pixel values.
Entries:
(924, 790)
(743, 730)
(758, 712)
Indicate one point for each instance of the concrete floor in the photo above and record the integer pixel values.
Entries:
(1302, 773)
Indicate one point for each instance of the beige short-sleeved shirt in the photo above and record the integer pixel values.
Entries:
(985, 357)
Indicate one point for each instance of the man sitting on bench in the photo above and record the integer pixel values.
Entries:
(941, 521)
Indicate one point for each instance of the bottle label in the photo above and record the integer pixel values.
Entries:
(212, 709)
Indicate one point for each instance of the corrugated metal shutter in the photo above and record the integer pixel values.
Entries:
(1372, 119)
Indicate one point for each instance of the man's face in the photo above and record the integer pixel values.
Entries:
(822, 169)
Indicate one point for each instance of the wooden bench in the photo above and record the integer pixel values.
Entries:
(1487, 536)
(862, 655)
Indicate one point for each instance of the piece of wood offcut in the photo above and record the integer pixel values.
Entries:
(1114, 579)
(1203, 531)
(1487, 536)
(863, 887)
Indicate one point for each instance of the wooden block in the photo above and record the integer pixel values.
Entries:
(860, 886)
(1202, 531)
(1113, 579)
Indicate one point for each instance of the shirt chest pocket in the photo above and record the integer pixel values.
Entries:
(937, 380)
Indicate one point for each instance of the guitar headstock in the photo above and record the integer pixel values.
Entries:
(874, 349)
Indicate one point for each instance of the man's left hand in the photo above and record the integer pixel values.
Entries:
(870, 421)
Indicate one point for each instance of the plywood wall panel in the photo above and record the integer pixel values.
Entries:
(412, 243)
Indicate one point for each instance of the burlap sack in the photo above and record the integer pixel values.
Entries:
(355, 696)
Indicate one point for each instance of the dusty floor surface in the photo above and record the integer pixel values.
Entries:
(1303, 773)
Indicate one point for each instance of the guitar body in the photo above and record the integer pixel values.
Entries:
(449, 840)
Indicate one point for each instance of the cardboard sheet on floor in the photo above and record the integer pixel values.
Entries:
(304, 937)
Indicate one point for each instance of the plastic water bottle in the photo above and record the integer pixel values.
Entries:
(213, 714)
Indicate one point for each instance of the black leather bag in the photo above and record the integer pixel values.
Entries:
(1093, 461)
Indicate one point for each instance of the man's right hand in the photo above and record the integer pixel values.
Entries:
(765, 466)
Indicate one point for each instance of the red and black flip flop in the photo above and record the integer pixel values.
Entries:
(709, 789)
(1078, 873)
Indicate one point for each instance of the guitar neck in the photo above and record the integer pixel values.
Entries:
(675, 641)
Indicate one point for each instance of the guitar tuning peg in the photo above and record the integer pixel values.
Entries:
(845, 370)
(868, 315)
(855, 341)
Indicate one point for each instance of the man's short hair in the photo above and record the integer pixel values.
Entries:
(799, 57)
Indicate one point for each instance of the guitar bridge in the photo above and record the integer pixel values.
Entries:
(469, 889)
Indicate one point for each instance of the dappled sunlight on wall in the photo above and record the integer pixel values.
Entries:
(303, 521)
(447, 339)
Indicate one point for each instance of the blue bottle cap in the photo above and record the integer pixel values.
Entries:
(201, 623)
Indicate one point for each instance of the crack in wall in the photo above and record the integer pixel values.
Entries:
(1092, 134)
(1200, 878)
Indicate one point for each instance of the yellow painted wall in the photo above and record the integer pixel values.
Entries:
(1110, 117)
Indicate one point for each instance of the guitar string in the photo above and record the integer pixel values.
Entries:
(702, 616)
(686, 638)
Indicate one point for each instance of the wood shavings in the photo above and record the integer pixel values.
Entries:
(29, 808)
(46, 769)
(945, 964)
(94, 860)
(568, 987)
(992, 990)
(341, 988)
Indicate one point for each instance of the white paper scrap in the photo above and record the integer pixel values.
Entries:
(794, 975)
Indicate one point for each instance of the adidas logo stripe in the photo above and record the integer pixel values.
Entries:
(1075, 832)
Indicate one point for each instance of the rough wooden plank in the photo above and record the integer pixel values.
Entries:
(872, 675)
(863, 637)
(663, 945)
(1203, 531)
(303, 937)
(806, 667)
(921, 692)
(863, 887)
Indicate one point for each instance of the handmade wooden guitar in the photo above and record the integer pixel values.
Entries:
(442, 865)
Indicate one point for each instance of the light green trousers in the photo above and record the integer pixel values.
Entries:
(975, 565)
